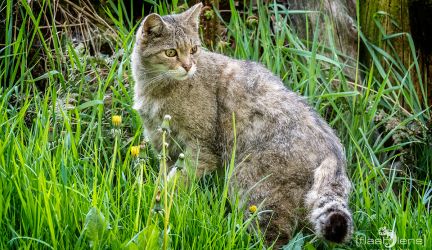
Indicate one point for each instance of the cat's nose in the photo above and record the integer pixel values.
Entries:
(187, 67)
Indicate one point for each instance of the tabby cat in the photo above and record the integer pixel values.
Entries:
(288, 159)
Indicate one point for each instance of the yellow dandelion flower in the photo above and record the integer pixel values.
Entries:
(116, 120)
(253, 209)
(135, 151)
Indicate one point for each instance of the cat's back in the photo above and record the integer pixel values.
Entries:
(266, 111)
(247, 86)
(243, 73)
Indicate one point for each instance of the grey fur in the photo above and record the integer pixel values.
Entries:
(288, 159)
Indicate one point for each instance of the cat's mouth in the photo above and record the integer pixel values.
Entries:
(186, 75)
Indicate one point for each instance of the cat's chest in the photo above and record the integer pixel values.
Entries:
(192, 108)
(175, 104)
(152, 108)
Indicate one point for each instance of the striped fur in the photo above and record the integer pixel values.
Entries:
(328, 202)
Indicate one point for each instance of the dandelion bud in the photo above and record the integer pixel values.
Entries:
(146, 140)
(157, 206)
(180, 163)
(253, 209)
(209, 14)
(165, 124)
(116, 120)
(158, 196)
(221, 45)
(252, 21)
(135, 151)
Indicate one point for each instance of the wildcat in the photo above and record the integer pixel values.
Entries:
(288, 159)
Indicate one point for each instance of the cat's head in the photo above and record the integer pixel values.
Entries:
(168, 46)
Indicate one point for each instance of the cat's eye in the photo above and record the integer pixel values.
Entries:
(194, 49)
(170, 52)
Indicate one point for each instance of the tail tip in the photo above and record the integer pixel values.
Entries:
(336, 228)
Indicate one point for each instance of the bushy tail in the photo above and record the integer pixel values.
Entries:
(328, 202)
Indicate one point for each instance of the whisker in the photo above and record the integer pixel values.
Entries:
(156, 78)
(149, 83)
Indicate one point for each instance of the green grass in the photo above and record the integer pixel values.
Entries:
(68, 180)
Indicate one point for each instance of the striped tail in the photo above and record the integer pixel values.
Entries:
(328, 202)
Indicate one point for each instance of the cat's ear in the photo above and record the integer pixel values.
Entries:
(192, 15)
(153, 25)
